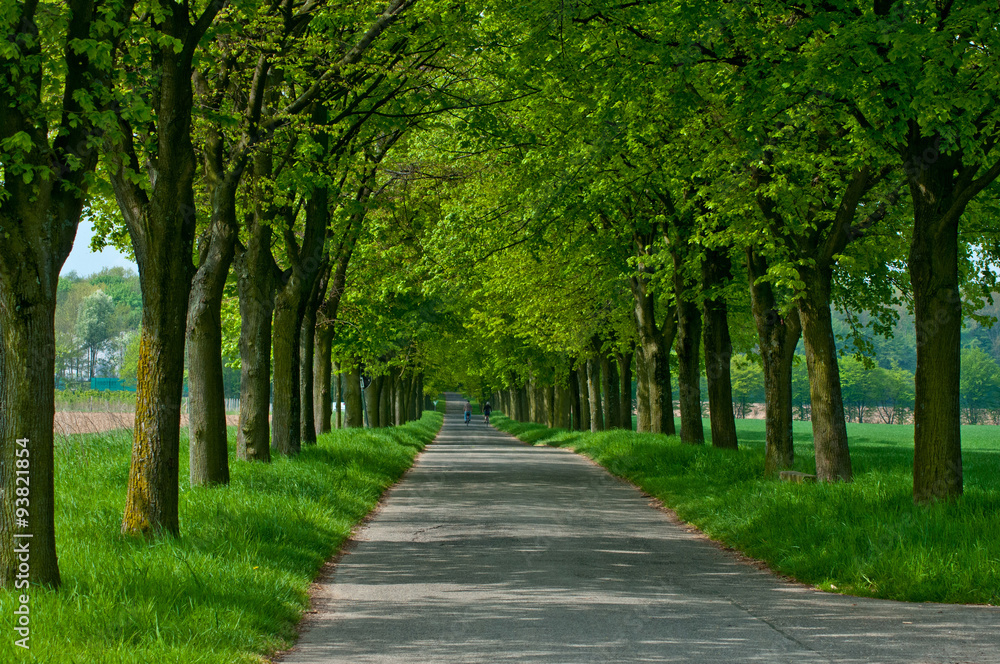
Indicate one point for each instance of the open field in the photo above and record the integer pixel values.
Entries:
(75, 422)
(865, 538)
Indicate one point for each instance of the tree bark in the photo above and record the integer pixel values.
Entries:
(833, 459)
(151, 506)
(27, 384)
(307, 351)
(256, 279)
(574, 399)
(401, 393)
(625, 389)
(594, 394)
(655, 342)
(716, 271)
(415, 402)
(373, 398)
(208, 450)
(338, 394)
(689, 373)
(533, 407)
(563, 404)
(610, 393)
(583, 404)
(940, 190)
(354, 417)
(307, 361)
(285, 427)
(521, 405)
(777, 337)
(323, 379)
(385, 401)
(550, 406)
(641, 393)
(539, 392)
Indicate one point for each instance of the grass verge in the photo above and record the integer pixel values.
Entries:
(233, 586)
(862, 538)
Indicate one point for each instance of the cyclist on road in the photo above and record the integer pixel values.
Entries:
(468, 412)
(487, 409)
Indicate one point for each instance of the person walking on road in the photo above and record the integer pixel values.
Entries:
(468, 412)
(487, 409)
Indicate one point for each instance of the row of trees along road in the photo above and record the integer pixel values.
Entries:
(664, 166)
(237, 150)
(530, 199)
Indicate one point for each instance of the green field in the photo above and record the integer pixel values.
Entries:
(865, 537)
(232, 587)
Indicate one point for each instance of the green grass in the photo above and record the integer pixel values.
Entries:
(232, 587)
(864, 538)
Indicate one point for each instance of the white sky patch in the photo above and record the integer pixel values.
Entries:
(86, 262)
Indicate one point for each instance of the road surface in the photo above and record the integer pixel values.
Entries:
(493, 551)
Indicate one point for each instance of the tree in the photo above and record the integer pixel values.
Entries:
(748, 385)
(980, 384)
(152, 165)
(935, 116)
(55, 64)
(93, 324)
(778, 331)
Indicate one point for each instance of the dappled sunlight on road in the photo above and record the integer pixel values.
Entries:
(495, 551)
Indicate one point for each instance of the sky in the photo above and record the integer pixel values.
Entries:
(85, 262)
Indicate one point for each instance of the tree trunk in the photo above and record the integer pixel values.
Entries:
(777, 338)
(323, 379)
(716, 272)
(933, 267)
(833, 459)
(160, 217)
(574, 399)
(538, 394)
(521, 410)
(533, 405)
(256, 283)
(372, 401)
(641, 392)
(416, 397)
(151, 501)
(402, 391)
(286, 429)
(583, 404)
(594, 394)
(625, 389)
(563, 401)
(307, 351)
(27, 411)
(307, 361)
(338, 394)
(610, 393)
(354, 416)
(209, 451)
(654, 343)
(689, 373)
(386, 395)
(550, 406)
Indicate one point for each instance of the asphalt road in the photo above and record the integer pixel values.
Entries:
(493, 551)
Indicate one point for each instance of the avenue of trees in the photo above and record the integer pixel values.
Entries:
(541, 201)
